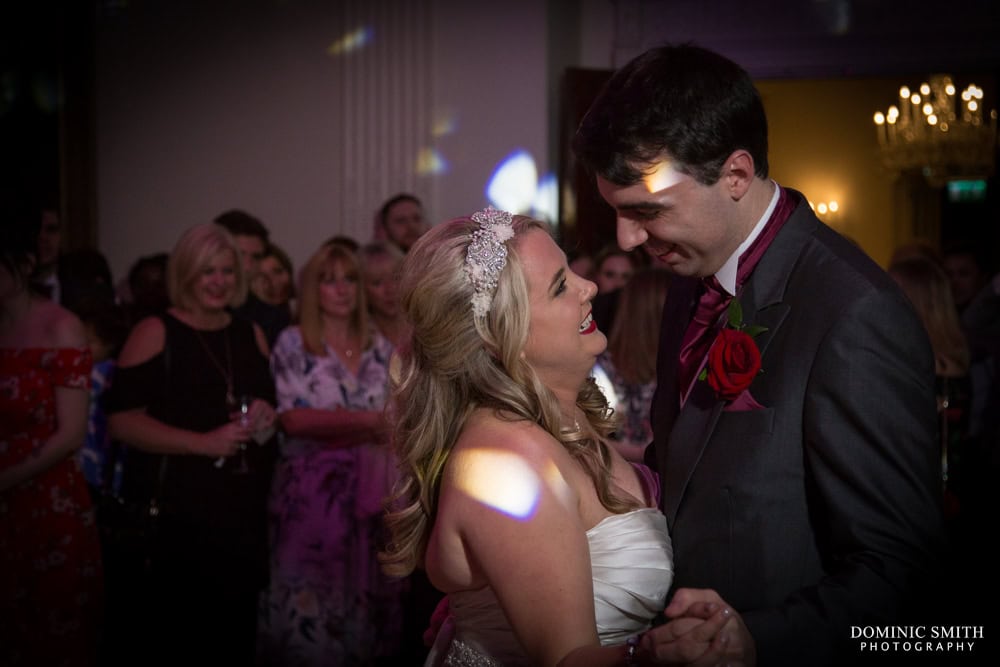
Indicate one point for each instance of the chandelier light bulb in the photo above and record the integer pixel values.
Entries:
(928, 131)
(821, 208)
(834, 206)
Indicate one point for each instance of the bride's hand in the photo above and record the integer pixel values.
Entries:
(685, 640)
(703, 630)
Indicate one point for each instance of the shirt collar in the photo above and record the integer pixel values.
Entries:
(726, 275)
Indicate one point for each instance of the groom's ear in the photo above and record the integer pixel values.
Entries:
(738, 173)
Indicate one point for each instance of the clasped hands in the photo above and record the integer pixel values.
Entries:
(702, 630)
(226, 439)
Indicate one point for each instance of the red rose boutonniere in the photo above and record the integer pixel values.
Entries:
(733, 360)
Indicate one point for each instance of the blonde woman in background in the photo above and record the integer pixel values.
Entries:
(629, 363)
(380, 266)
(926, 285)
(175, 404)
(328, 603)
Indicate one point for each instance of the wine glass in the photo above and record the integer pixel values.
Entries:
(242, 417)
(239, 411)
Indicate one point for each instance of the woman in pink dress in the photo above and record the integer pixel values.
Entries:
(50, 566)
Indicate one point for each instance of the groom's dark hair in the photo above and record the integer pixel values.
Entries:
(688, 103)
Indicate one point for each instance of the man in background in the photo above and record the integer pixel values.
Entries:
(401, 221)
(252, 238)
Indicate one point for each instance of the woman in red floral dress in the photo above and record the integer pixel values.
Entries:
(50, 566)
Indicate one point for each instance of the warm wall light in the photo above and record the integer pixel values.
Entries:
(827, 211)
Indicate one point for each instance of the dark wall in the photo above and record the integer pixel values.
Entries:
(46, 109)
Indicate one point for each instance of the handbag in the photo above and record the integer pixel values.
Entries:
(129, 527)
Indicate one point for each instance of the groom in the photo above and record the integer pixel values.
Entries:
(805, 495)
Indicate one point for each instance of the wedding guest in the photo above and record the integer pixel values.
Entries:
(613, 267)
(968, 473)
(967, 269)
(328, 603)
(981, 324)
(916, 248)
(277, 286)
(50, 561)
(106, 326)
(546, 540)
(400, 221)
(926, 286)
(380, 263)
(191, 592)
(970, 272)
(630, 360)
(252, 238)
(806, 495)
(345, 240)
(581, 263)
(85, 280)
(45, 275)
(147, 287)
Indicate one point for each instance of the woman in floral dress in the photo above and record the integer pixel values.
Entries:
(329, 603)
(50, 566)
(630, 360)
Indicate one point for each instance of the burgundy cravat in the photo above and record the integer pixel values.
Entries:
(694, 346)
(714, 300)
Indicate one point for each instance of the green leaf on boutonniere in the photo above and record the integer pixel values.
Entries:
(703, 374)
(735, 314)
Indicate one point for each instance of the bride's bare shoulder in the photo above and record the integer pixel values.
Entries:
(499, 469)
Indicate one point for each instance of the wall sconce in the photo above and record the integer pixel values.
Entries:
(827, 211)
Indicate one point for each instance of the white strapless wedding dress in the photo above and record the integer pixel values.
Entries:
(632, 563)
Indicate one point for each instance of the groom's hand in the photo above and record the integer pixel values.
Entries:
(702, 630)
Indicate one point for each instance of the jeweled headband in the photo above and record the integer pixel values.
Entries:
(487, 255)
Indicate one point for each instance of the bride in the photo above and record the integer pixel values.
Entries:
(545, 540)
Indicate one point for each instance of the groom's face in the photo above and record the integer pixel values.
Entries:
(682, 223)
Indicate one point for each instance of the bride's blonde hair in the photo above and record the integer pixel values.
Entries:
(456, 363)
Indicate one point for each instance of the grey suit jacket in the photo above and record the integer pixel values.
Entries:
(820, 510)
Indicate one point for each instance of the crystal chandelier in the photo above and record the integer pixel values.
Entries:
(942, 134)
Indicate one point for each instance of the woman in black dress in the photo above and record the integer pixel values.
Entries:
(192, 593)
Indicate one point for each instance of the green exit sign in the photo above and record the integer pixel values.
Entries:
(966, 190)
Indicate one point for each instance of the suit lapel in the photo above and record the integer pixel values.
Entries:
(762, 302)
(686, 443)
